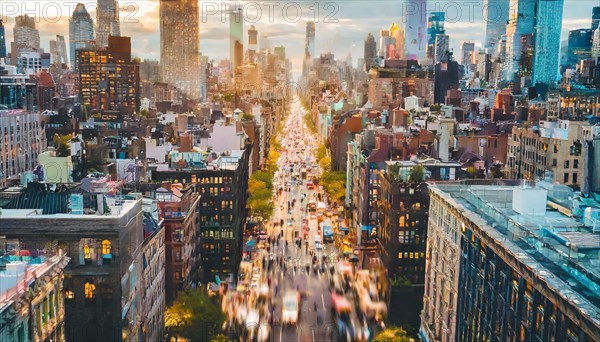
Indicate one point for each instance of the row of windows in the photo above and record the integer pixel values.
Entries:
(411, 255)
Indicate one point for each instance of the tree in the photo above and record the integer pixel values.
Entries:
(194, 316)
(395, 172)
(321, 152)
(325, 163)
(417, 173)
(392, 334)
(62, 145)
(247, 117)
(220, 338)
(263, 177)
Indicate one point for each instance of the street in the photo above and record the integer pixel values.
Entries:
(288, 283)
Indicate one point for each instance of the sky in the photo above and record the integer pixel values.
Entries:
(341, 26)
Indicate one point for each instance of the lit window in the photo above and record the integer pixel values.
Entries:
(88, 290)
(69, 294)
(106, 247)
(87, 252)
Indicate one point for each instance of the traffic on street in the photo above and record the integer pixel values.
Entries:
(294, 285)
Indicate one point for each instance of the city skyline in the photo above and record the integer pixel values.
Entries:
(140, 20)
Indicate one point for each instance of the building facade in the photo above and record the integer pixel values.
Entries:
(109, 80)
(415, 30)
(102, 287)
(499, 267)
(23, 139)
(32, 297)
(495, 16)
(180, 45)
(153, 282)
(547, 42)
(179, 209)
(81, 33)
(556, 147)
(107, 21)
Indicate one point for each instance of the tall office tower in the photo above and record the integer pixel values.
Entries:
(109, 80)
(236, 35)
(370, 52)
(466, 53)
(435, 26)
(441, 47)
(415, 30)
(398, 35)
(2, 40)
(495, 17)
(547, 42)
(387, 45)
(107, 21)
(596, 44)
(264, 43)
(521, 23)
(81, 32)
(58, 52)
(252, 43)
(309, 47)
(180, 45)
(595, 18)
(26, 35)
(579, 47)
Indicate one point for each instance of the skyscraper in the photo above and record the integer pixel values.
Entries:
(441, 47)
(264, 43)
(25, 33)
(81, 32)
(521, 23)
(435, 26)
(398, 34)
(109, 80)
(180, 45)
(236, 35)
(252, 43)
(579, 47)
(415, 31)
(2, 41)
(595, 18)
(466, 52)
(370, 52)
(309, 46)
(387, 45)
(596, 44)
(547, 42)
(495, 18)
(58, 52)
(107, 21)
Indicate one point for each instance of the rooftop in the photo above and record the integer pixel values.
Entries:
(562, 250)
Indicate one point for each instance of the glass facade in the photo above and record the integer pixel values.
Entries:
(81, 32)
(547, 42)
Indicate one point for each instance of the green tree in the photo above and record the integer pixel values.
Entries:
(395, 172)
(321, 152)
(392, 334)
(247, 117)
(62, 145)
(194, 316)
(417, 173)
(325, 163)
(264, 177)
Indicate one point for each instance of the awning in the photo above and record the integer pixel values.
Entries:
(367, 228)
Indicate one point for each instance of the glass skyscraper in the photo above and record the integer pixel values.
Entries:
(180, 45)
(415, 30)
(547, 42)
(435, 26)
(81, 32)
(107, 20)
(2, 41)
(521, 23)
(496, 17)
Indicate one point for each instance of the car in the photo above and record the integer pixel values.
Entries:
(291, 307)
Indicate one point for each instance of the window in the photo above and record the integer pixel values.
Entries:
(88, 290)
(566, 164)
(87, 254)
(574, 177)
(576, 163)
(566, 178)
(106, 249)
(69, 294)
